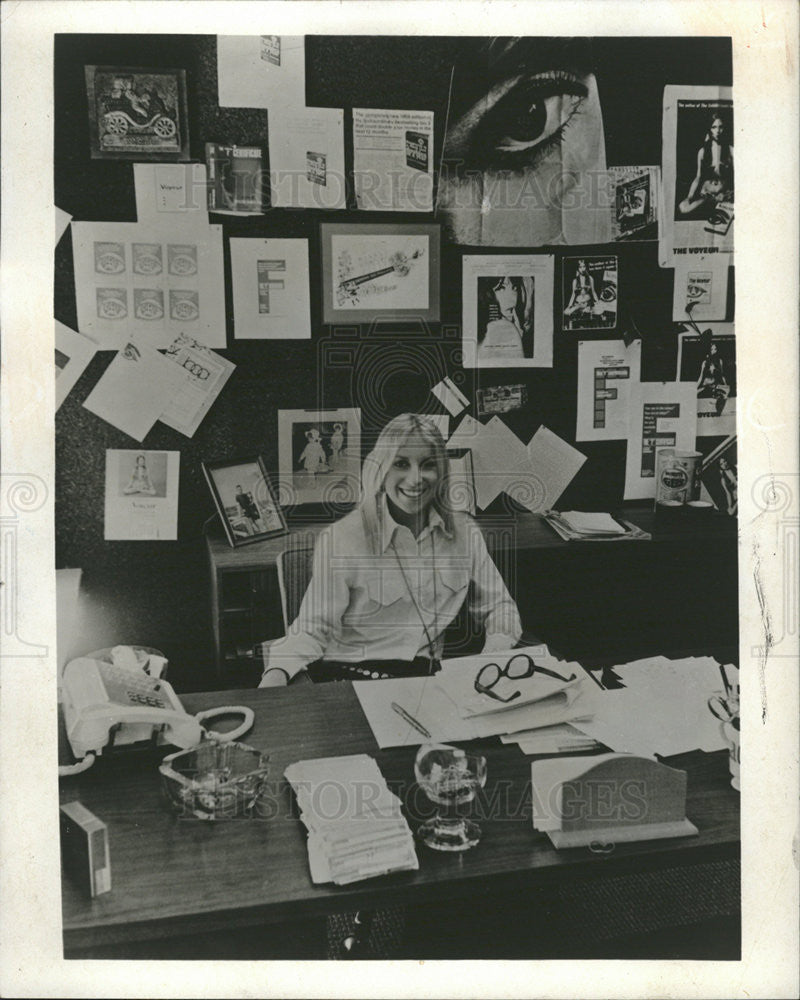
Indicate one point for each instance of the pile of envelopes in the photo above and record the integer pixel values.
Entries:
(356, 829)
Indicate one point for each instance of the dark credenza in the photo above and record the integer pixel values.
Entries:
(677, 590)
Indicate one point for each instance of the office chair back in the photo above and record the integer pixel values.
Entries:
(294, 576)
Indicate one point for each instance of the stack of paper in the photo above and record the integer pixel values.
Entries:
(447, 706)
(576, 525)
(551, 740)
(356, 829)
(663, 708)
(533, 702)
(591, 524)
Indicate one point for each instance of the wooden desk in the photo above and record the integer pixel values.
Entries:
(173, 876)
(677, 590)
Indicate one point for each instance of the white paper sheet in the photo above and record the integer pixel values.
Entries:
(149, 282)
(141, 495)
(204, 375)
(63, 219)
(441, 420)
(450, 396)
(270, 289)
(696, 172)
(553, 466)
(606, 371)
(700, 291)
(135, 390)
(662, 709)
(386, 271)
(261, 71)
(170, 195)
(393, 160)
(661, 415)
(510, 327)
(73, 352)
(490, 470)
(457, 679)
(306, 158)
(423, 699)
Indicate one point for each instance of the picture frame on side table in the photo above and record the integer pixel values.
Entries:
(246, 502)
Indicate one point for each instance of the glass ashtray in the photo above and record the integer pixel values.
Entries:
(214, 780)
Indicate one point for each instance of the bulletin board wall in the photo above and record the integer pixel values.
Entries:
(156, 592)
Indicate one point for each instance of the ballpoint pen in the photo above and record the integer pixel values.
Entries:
(410, 719)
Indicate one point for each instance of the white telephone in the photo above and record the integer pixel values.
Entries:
(112, 704)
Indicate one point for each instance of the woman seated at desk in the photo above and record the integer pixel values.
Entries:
(390, 576)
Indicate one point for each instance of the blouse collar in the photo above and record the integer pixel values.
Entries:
(389, 526)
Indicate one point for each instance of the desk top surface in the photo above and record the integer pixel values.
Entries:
(530, 531)
(173, 875)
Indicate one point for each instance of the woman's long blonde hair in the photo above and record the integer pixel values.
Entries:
(377, 464)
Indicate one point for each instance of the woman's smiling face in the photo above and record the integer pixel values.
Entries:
(413, 477)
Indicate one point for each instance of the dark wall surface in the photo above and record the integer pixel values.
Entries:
(156, 593)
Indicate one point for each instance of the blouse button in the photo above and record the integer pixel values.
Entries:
(375, 675)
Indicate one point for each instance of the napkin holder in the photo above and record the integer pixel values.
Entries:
(610, 799)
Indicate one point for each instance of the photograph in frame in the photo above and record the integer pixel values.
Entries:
(379, 271)
(137, 113)
(319, 456)
(245, 501)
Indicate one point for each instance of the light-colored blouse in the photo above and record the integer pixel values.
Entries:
(359, 605)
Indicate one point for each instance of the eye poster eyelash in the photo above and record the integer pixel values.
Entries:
(513, 134)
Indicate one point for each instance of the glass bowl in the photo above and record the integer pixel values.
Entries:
(214, 780)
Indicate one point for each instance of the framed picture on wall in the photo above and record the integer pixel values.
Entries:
(136, 113)
(319, 456)
(379, 271)
(246, 503)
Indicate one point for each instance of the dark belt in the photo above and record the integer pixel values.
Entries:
(364, 670)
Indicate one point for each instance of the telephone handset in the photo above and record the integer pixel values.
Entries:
(107, 705)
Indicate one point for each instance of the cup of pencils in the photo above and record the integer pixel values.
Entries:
(725, 706)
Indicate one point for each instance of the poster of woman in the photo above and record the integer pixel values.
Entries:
(589, 293)
(507, 316)
(708, 359)
(697, 130)
(720, 478)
